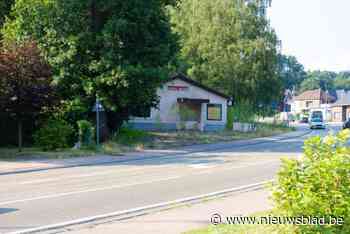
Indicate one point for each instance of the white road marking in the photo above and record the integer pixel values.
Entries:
(80, 176)
(86, 191)
(38, 181)
(237, 167)
(201, 166)
(131, 184)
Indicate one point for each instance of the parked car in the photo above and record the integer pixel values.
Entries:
(346, 124)
(317, 123)
(304, 120)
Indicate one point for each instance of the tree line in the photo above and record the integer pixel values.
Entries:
(326, 80)
(294, 77)
(122, 51)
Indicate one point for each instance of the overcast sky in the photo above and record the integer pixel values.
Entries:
(317, 32)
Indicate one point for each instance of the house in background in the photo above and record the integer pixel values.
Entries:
(341, 108)
(185, 104)
(313, 100)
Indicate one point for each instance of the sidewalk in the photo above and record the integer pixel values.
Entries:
(22, 166)
(182, 219)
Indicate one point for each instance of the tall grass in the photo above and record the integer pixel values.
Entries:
(129, 136)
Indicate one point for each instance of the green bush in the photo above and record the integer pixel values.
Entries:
(317, 185)
(53, 135)
(130, 136)
(230, 118)
(86, 132)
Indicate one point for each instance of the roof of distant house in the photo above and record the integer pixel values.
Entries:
(343, 98)
(316, 94)
(196, 83)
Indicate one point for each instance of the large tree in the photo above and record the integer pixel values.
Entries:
(115, 49)
(5, 8)
(326, 80)
(342, 81)
(25, 83)
(318, 80)
(228, 45)
(291, 72)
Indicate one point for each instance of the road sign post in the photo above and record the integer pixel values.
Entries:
(98, 108)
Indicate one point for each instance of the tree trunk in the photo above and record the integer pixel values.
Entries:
(19, 134)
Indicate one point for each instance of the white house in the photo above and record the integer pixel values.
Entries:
(185, 104)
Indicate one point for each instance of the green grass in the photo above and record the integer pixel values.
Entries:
(246, 228)
(11, 153)
(130, 140)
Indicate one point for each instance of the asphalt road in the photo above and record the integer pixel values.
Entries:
(36, 199)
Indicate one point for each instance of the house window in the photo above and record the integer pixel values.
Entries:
(214, 112)
(308, 104)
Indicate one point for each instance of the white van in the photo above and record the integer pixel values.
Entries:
(317, 120)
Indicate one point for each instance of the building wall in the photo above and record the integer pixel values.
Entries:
(297, 107)
(337, 114)
(167, 114)
(326, 110)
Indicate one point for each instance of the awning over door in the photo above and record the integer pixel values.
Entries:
(192, 100)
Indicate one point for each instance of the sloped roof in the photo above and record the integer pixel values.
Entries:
(183, 77)
(316, 94)
(309, 95)
(343, 98)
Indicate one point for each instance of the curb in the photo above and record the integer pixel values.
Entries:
(131, 213)
(148, 157)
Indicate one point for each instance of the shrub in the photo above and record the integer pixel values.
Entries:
(230, 118)
(86, 132)
(130, 136)
(318, 185)
(53, 135)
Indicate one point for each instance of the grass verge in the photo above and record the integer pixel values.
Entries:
(11, 153)
(134, 140)
(164, 140)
